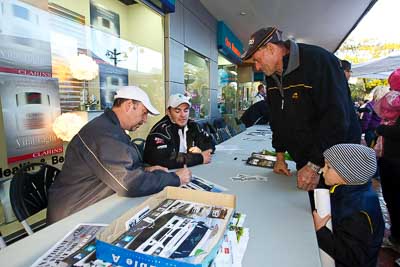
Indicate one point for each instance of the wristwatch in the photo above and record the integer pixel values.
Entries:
(314, 167)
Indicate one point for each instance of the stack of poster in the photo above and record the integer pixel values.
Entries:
(178, 226)
(176, 229)
(234, 244)
(265, 158)
(261, 160)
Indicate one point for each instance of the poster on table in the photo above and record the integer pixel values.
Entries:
(103, 19)
(24, 39)
(110, 79)
(29, 105)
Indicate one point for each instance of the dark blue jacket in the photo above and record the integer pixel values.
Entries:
(100, 161)
(310, 106)
(358, 226)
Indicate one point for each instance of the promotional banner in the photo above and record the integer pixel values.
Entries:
(24, 39)
(30, 105)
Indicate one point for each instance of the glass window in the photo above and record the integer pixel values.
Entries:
(227, 87)
(197, 84)
(88, 48)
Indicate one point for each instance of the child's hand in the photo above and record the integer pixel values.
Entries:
(320, 222)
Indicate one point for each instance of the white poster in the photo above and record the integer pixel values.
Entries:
(30, 105)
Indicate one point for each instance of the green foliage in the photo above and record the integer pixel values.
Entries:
(372, 83)
(360, 51)
(358, 91)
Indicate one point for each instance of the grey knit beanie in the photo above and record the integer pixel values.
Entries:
(356, 164)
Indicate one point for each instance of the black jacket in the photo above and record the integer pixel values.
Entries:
(358, 226)
(310, 107)
(100, 160)
(162, 144)
(256, 114)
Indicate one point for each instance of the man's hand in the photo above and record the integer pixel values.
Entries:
(280, 166)
(195, 150)
(318, 221)
(185, 175)
(206, 156)
(155, 168)
(307, 178)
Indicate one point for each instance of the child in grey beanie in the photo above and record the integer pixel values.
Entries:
(357, 220)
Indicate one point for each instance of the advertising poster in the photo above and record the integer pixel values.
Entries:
(103, 19)
(110, 79)
(30, 105)
(24, 39)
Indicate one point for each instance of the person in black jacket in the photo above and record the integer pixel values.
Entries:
(357, 222)
(309, 104)
(101, 160)
(256, 114)
(176, 141)
(389, 163)
(389, 170)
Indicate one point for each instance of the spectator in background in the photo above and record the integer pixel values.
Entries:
(370, 120)
(346, 66)
(388, 108)
(261, 94)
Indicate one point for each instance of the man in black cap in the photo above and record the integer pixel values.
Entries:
(310, 108)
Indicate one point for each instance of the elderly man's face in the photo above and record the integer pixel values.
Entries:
(179, 115)
(267, 60)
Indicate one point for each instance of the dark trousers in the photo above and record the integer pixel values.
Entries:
(390, 180)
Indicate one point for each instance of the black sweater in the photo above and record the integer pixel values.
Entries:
(391, 139)
(310, 107)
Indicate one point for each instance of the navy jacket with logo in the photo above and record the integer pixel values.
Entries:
(310, 105)
(358, 226)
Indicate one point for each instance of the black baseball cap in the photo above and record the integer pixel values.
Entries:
(261, 38)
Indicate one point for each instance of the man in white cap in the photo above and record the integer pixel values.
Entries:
(101, 160)
(176, 141)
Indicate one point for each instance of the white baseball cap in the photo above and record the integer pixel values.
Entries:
(178, 99)
(135, 93)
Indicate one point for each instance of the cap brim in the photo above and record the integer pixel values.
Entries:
(152, 110)
(249, 53)
(180, 103)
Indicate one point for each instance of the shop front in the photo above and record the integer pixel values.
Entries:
(62, 57)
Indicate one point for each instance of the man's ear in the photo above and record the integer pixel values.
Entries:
(128, 105)
(168, 112)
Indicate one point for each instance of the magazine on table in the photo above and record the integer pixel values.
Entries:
(77, 238)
